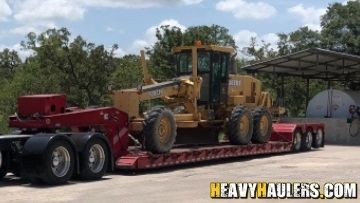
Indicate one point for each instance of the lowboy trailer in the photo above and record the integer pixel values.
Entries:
(54, 144)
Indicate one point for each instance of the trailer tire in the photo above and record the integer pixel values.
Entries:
(297, 141)
(94, 160)
(159, 130)
(3, 165)
(262, 125)
(240, 126)
(318, 138)
(307, 141)
(59, 163)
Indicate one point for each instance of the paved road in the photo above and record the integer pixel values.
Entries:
(191, 183)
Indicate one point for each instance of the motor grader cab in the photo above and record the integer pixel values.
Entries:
(206, 94)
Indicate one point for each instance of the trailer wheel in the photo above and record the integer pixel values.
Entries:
(319, 138)
(262, 125)
(159, 130)
(297, 141)
(307, 141)
(240, 126)
(94, 160)
(59, 163)
(3, 167)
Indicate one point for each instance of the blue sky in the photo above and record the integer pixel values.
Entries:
(131, 23)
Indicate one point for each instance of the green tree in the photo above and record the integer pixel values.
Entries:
(9, 62)
(78, 68)
(295, 88)
(161, 59)
(340, 27)
(212, 35)
(128, 72)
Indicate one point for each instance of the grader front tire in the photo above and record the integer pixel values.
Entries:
(262, 125)
(159, 130)
(240, 126)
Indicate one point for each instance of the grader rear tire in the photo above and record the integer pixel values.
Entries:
(262, 125)
(159, 130)
(240, 126)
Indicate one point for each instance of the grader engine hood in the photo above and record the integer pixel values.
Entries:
(243, 90)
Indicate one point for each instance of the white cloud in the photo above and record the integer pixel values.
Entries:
(137, 3)
(23, 53)
(5, 10)
(310, 16)
(34, 14)
(33, 27)
(243, 39)
(38, 10)
(109, 29)
(243, 9)
(149, 37)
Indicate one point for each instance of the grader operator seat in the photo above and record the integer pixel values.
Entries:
(212, 67)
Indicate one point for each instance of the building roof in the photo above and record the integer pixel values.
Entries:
(312, 63)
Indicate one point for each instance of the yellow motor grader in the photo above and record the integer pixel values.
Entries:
(205, 98)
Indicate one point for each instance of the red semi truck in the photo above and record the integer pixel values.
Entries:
(54, 143)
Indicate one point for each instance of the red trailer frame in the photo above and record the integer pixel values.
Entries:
(282, 141)
(111, 125)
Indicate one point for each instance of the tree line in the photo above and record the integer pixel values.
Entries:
(84, 70)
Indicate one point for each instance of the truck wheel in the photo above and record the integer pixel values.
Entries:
(59, 163)
(307, 141)
(297, 141)
(94, 160)
(319, 139)
(240, 126)
(3, 168)
(159, 130)
(262, 125)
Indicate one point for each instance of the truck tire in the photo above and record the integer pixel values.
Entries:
(240, 126)
(297, 141)
(59, 163)
(3, 167)
(307, 141)
(262, 125)
(318, 139)
(94, 160)
(159, 130)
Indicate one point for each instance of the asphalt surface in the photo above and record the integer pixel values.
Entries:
(191, 183)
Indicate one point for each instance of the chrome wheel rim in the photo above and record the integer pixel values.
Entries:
(61, 161)
(96, 158)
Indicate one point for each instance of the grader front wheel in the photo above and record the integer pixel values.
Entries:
(262, 125)
(159, 130)
(240, 126)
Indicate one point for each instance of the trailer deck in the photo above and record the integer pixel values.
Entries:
(282, 141)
